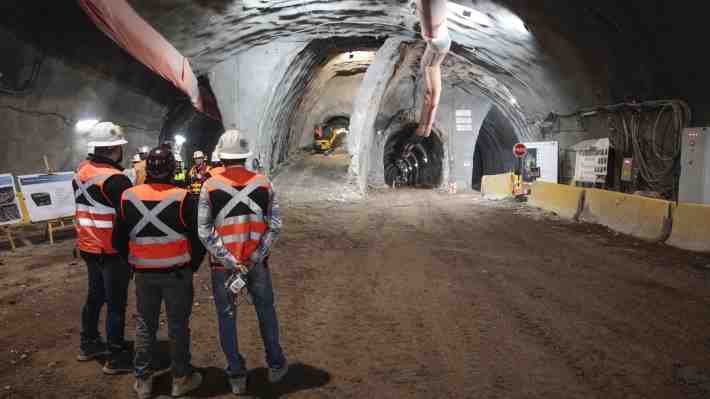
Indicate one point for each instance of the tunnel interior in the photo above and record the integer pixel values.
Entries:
(420, 167)
(493, 153)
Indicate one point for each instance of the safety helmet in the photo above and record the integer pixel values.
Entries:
(105, 134)
(160, 163)
(233, 146)
(198, 154)
(136, 158)
(143, 149)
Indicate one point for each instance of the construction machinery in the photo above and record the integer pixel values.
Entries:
(326, 143)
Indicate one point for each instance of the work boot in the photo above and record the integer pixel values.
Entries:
(119, 362)
(238, 384)
(143, 387)
(277, 374)
(183, 385)
(91, 350)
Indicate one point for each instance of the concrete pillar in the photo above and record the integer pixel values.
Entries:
(367, 106)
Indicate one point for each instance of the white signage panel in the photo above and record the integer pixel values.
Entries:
(9, 205)
(48, 196)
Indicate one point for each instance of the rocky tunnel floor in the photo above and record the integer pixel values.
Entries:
(409, 294)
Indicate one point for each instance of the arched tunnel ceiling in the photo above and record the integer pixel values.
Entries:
(577, 45)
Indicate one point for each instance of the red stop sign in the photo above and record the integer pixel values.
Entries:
(519, 150)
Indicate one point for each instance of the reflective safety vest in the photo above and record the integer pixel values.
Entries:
(216, 170)
(157, 236)
(197, 176)
(95, 215)
(239, 200)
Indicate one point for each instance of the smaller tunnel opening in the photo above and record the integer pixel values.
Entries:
(419, 166)
(494, 148)
(331, 134)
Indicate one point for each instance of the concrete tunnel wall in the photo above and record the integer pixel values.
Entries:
(73, 87)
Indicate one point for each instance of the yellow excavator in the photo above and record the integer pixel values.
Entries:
(326, 142)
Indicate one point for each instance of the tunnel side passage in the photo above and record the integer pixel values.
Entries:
(418, 166)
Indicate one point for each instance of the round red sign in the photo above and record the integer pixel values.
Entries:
(520, 150)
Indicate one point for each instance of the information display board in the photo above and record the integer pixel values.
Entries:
(48, 196)
(9, 205)
(545, 156)
(591, 161)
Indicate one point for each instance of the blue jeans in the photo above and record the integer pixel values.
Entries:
(108, 279)
(262, 293)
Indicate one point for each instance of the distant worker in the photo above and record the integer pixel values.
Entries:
(156, 232)
(139, 167)
(131, 173)
(197, 174)
(179, 178)
(98, 186)
(239, 221)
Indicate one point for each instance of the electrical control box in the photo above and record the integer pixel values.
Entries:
(694, 186)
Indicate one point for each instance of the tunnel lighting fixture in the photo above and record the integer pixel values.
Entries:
(85, 125)
(513, 101)
(180, 140)
(502, 18)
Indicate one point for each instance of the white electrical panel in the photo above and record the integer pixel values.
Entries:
(546, 155)
(694, 186)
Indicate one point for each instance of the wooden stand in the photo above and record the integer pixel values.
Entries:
(8, 234)
(58, 224)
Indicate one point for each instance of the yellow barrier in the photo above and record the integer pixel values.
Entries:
(566, 201)
(497, 186)
(642, 217)
(691, 227)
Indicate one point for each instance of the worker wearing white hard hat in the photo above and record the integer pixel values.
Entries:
(131, 173)
(98, 186)
(238, 222)
(197, 174)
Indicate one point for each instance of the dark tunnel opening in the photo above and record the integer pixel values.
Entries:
(494, 148)
(421, 167)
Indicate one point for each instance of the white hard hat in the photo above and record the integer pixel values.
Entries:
(198, 154)
(143, 149)
(233, 146)
(178, 158)
(105, 134)
(136, 158)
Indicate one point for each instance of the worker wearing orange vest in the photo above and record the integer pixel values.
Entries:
(156, 231)
(239, 221)
(197, 174)
(98, 185)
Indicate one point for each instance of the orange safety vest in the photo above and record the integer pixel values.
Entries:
(95, 215)
(239, 200)
(164, 245)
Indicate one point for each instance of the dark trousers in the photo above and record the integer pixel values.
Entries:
(108, 279)
(175, 288)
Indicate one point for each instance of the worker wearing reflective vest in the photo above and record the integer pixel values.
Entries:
(197, 174)
(239, 221)
(98, 185)
(156, 232)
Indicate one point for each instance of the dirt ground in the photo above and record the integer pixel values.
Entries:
(407, 294)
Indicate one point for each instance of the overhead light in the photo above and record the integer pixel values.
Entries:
(513, 101)
(85, 125)
(180, 139)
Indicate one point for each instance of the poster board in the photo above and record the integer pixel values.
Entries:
(48, 196)
(9, 205)
(544, 155)
(591, 161)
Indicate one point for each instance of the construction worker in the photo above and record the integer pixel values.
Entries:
(131, 173)
(179, 178)
(216, 166)
(139, 167)
(239, 221)
(98, 186)
(197, 173)
(156, 232)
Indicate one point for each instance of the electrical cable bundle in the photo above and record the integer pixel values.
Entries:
(651, 133)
